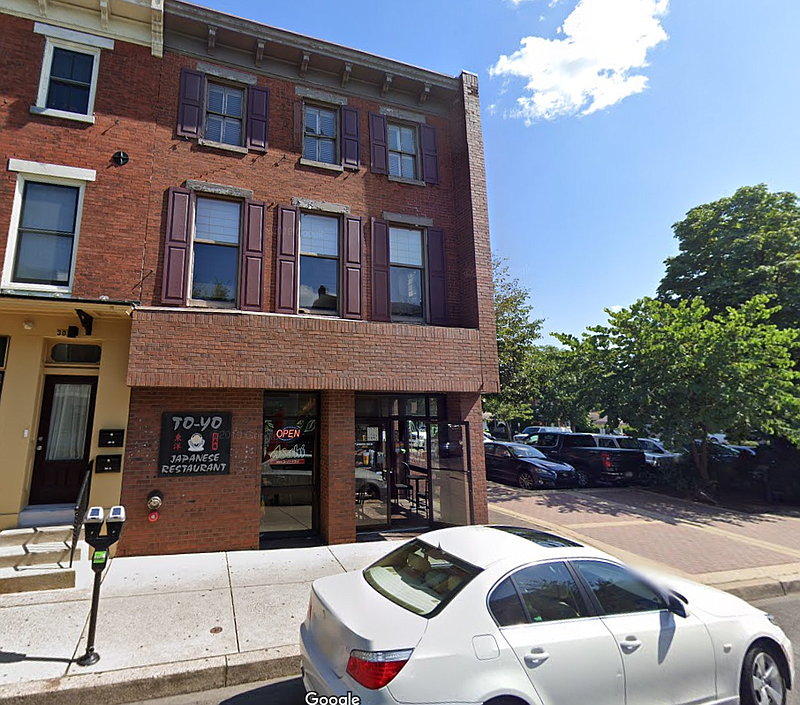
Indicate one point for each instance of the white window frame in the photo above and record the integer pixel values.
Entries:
(339, 262)
(208, 303)
(59, 175)
(423, 231)
(80, 42)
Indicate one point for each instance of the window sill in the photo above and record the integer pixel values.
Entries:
(221, 145)
(199, 303)
(35, 290)
(410, 321)
(321, 165)
(63, 114)
(402, 180)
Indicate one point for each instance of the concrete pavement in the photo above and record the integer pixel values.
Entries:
(178, 624)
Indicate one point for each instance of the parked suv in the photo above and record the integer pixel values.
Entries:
(528, 431)
(656, 454)
(592, 461)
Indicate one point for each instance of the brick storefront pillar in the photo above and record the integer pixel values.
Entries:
(337, 471)
(468, 407)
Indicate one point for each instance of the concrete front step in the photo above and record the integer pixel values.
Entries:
(41, 554)
(27, 537)
(25, 579)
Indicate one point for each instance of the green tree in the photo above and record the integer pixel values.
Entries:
(560, 384)
(682, 372)
(736, 248)
(516, 336)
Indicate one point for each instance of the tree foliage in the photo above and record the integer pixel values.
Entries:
(736, 248)
(517, 333)
(561, 386)
(682, 372)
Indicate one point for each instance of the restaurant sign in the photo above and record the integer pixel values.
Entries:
(195, 444)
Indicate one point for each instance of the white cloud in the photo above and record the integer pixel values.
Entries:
(593, 66)
(615, 309)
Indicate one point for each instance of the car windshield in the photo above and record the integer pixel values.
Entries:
(526, 452)
(419, 577)
(629, 443)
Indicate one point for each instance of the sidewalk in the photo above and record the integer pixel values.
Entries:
(177, 624)
(167, 625)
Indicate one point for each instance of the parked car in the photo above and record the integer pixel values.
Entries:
(656, 454)
(370, 484)
(528, 431)
(525, 466)
(495, 614)
(592, 463)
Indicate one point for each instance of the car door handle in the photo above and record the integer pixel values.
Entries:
(536, 656)
(630, 644)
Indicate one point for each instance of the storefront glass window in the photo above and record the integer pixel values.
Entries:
(289, 462)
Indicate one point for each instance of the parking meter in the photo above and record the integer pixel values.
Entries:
(93, 525)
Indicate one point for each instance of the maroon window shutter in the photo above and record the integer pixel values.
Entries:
(190, 107)
(378, 144)
(381, 288)
(430, 155)
(351, 290)
(257, 118)
(298, 126)
(286, 279)
(176, 246)
(351, 147)
(437, 278)
(251, 293)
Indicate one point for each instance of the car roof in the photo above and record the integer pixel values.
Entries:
(483, 546)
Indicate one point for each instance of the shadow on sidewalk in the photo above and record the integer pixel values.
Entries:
(632, 503)
(291, 691)
(15, 657)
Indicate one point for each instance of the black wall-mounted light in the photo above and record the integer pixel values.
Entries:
(120, 158)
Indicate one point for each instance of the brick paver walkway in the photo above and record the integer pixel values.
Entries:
(707, 543)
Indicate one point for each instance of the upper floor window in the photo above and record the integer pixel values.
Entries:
(407, 274)
(319, 134)
(68, 80)
(226, 114)
(319, 264)
(45, 223)
(403, 151)
(215, 250)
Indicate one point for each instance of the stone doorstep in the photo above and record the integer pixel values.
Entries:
(26, 537)
(183, 677)
(35, 578)
(54, 554)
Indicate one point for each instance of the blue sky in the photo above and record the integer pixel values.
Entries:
(604, 121)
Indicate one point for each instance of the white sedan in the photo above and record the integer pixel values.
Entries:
(513, 616)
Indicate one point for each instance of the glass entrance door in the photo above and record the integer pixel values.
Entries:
(289, 468)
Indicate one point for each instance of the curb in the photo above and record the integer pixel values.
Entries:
(761, 589)
(151, 682)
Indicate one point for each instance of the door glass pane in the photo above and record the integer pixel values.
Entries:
(617, 589)
(66, 438)
(371, 486)
(550, 593)
(450, 481)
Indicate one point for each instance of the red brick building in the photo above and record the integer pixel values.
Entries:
(300, 236)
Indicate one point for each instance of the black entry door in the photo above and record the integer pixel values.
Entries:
(63, 440)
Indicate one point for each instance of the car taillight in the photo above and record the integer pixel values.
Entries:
(374, 669)
(606, 458)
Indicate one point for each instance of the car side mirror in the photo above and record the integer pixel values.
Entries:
(676, 605)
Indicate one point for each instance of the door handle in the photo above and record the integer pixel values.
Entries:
(630, 644)
(536, 656)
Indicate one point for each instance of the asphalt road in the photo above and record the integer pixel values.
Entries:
(290, 691)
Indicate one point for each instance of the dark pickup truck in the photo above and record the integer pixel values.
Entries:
(592, 461)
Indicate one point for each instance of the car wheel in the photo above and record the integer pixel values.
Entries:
(581, 477)
(373, 492)
(762, 680)
(526, 480)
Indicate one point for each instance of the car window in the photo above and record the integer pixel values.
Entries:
(520, 451)
(505, 605)
(549, 592)
(617, 589)
(489, 448)
(583, 440)
(544, 439)
(606, 443)
(649, 446)
(420, 577)
(629, 443)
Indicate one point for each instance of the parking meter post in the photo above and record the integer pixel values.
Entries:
(93, 524)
